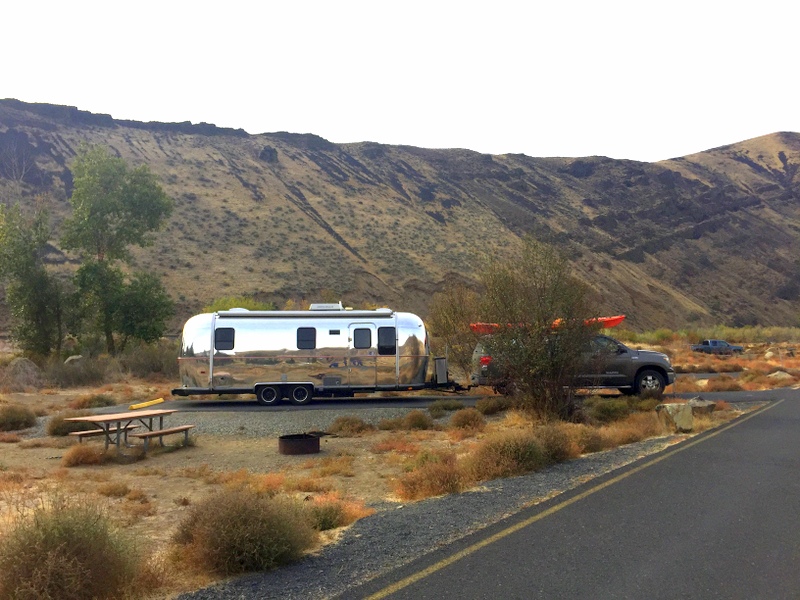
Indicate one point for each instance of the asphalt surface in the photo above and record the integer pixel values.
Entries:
(717, 516)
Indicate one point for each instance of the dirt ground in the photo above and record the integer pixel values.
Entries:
(150, 497)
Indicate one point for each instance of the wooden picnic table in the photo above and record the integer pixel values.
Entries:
(115, 425)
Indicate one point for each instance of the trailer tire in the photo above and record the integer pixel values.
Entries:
(301, 394)
(268, 395)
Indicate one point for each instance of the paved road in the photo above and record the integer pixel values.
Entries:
(715, 517)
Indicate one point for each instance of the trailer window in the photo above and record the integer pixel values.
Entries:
(306, 338)
(387, 341)
(223, 338)
(362, 339)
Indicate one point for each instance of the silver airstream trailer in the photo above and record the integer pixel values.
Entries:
(325, 351)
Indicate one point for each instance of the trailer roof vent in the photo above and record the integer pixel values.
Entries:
(327, 306)
(238, 310)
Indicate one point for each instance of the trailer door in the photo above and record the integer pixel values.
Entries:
(362, 355)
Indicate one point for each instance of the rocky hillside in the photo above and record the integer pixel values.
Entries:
(707, 238)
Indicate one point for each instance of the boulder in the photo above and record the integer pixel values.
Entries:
(780, 375)
(676, 417)
(21, 375)
(701, 406)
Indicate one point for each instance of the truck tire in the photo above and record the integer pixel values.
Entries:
(268, 395)
(301, 394)
(649, 381)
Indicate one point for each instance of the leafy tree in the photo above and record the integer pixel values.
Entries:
(113, 206)
(449, 318)
(101, 288)
(34, 296)
(542, 310)
(143, 310)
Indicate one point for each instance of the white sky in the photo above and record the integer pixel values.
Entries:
(626, 79)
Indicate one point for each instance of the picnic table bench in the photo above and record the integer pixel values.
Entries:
(160, 433)
(97, 432)
(115, 426)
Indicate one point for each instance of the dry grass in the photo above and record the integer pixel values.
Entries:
(334, 465)
(307, 485)
(114, 489)
(9, 438)
(557, 443)
(82, 455)
(437, 475)
(396, 443)
(91, 401)
(349, 426)
(329, 511)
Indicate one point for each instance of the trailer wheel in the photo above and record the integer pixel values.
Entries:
(300, 394)
(268, 395)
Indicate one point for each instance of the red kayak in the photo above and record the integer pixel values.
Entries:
(604, 322)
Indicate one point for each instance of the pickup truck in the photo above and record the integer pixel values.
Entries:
(608, 363)
(717, 347)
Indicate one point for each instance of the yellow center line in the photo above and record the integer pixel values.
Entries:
(411, 579)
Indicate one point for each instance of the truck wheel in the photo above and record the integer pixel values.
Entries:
(300, 394)
(650, 382)
(268, 395)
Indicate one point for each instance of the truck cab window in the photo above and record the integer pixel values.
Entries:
(223, 338)
(362, 339)
(387, 341)
(306, 338)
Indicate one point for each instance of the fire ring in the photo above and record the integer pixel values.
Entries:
(298, 443)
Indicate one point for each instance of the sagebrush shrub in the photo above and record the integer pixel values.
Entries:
(436, 476)
(417, 419)
(557, 444)
(82, 454)
(92, 401)
(14, 417)
(66, 551)
(505, 455)
(239, 530)
(58, 425)
(468, 418)
(605, 410)
(492, 405)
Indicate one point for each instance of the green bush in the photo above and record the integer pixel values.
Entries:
(58, 425)
(66, 551)
(492, 405)
(643, 404)
(605, 410)
(327, 515)
(14, 417)
(438, 408)
(239, 530)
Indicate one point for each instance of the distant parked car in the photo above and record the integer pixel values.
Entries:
(717, 347)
